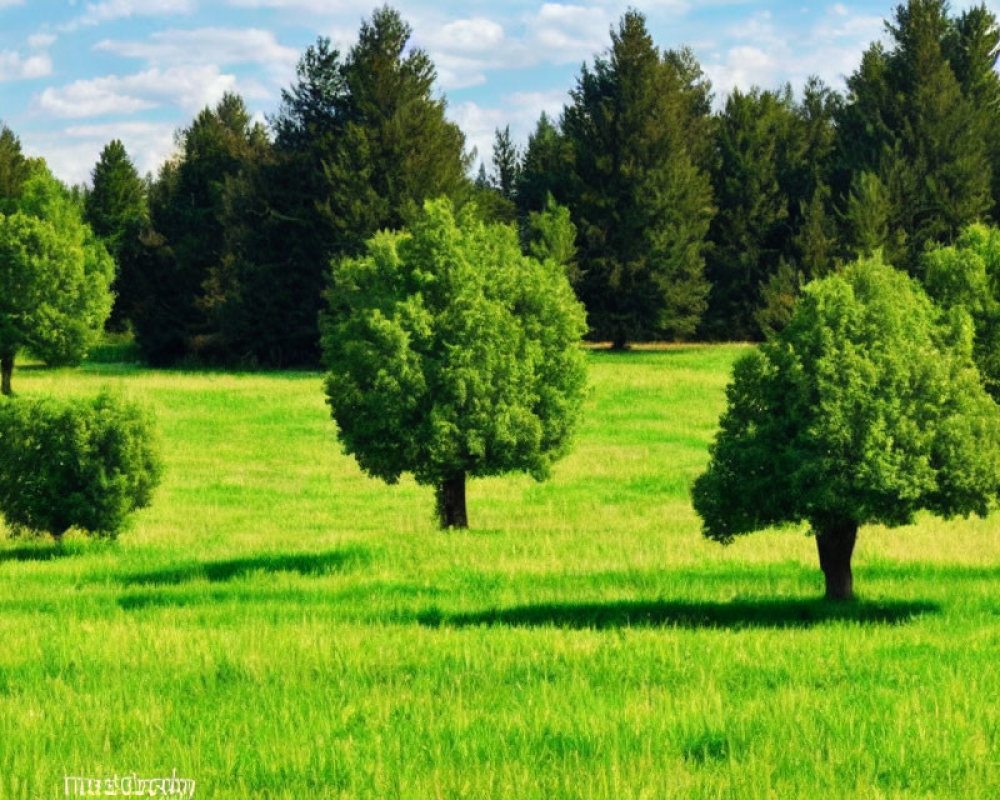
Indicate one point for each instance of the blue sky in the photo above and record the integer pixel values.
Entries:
(75, 74)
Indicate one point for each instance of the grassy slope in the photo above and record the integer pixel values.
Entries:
(279, 624)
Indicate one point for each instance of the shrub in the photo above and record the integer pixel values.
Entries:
(75, 464)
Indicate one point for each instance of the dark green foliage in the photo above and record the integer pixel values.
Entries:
(360, 143)
(187, 240)
(774, 204)
(117, 212)
(866, 219)
(967, 274)
(750, 232)
(973, 51)
(265, 296)
(777, 299)
(921, 116)
(545, 168)
(452, 354)
(84, 464)
(866, 408)
(394, 148)
(641, 199)
(506, 164)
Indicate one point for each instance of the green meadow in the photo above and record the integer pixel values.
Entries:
(277, 625)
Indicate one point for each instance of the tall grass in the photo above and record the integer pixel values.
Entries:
(278, 625)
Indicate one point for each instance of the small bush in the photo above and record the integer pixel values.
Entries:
(75, 464)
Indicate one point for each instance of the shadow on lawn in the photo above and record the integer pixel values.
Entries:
(230, 569)
(668, 613)
(47, 552)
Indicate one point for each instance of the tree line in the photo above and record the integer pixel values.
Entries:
(673, 220)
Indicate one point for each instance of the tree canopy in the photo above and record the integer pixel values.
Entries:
(452, 354)
(967, 275)
(55, 277)
(866, 408)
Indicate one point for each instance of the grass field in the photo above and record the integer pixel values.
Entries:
(277, 625)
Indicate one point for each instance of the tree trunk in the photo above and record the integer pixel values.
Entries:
(451, 502)
(6, 373)
(620, 341)
(835, 542)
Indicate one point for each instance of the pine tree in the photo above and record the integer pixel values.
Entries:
(395, 147)
(360, 143)
(867, 216)
(545, 169)
(187, 240)
(912, 118)
(641, 202)
(749, 232)
(506, 163)
(972, 53)
(117, 211)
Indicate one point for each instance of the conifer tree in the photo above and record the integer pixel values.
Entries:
(914, 118)
(187, 240)
(506, 163)
(641, 201)
(545, 168)
(117, 211)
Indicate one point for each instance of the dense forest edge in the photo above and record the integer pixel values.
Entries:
(675, 216)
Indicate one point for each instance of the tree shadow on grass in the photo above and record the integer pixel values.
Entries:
(47, 552)
(739, 614)
(312, 564)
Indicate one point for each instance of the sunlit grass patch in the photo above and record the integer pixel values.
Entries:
(278, 625)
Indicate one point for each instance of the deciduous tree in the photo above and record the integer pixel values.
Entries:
(55, 277)
(866, 408)
(453, 355)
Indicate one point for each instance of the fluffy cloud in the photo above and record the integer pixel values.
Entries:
(15, 66)
(220, 46)
(191, 88)
(96, 13)
(520, 110)
(37, 63)
(760, 53)
(564, 34)
(72, 152)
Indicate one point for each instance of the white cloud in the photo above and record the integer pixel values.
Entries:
(96, 13)
(468, 35)
(759, 53)
(15, 66)
(72, 152)
(568, 33)
(520, 110)
(220, 46)
(189, 87)
(41, 41)
(744, 66)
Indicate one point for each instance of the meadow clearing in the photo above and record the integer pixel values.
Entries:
(277, 625)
